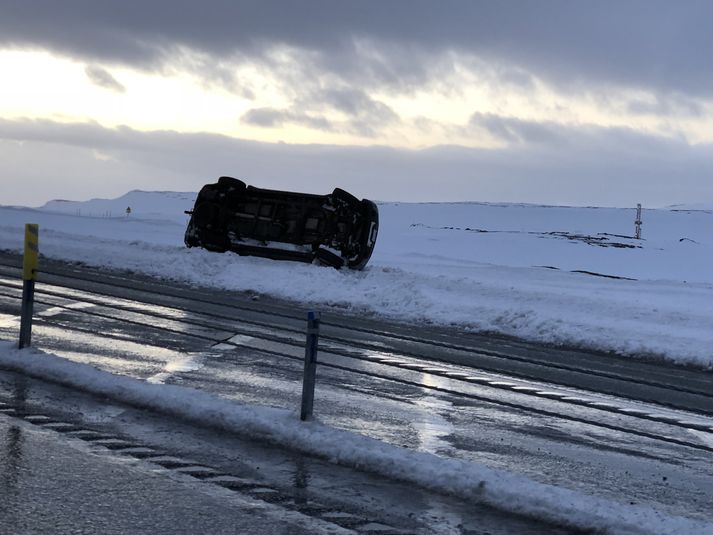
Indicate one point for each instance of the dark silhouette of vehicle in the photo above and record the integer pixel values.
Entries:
(335, 229)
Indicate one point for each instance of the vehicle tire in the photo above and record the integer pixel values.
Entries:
(328, 258)
(230, 182)
(370, 215)
(344, 196)
(214, 242)
(190, 239)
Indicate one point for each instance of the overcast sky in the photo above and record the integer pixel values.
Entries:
(562, 102)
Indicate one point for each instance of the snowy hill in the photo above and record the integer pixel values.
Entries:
(545, 273)
(143, 204)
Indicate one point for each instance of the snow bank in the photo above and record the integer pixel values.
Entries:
(517, 270)
(470, 481)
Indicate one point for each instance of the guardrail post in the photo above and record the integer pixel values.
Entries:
(30, 264)
(310, 372)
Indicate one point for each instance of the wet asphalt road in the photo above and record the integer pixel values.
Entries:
(651, 382)
(50, 485)
(569, 452)
(56, 478)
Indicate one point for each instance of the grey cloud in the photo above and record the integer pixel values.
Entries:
(665, 105)
(517, 78)
(599, 166)
(271, 118)
(103, 78)
(364, 115)
(559, 142)
(350, 101)
(265, 117)
(210, 71)
(651, 44)
(513, 130)
(357, 104)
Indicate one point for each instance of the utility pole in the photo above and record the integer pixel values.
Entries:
(638, 222)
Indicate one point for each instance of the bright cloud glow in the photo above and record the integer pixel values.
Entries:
(40, 85)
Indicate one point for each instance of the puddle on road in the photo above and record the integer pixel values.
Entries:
(53, 311)
(434, 427)
(109, 301)
(120, 356)
(189, 363)
(8, 321)
(111, 345)
(113, 364)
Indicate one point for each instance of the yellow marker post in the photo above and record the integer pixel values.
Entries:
(30, 261)
(30, 265)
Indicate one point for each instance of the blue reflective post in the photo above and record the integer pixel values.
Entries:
(310, 372)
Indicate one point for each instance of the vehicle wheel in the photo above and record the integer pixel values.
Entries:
(328, 258)
(230, 182)
(370, 222)
(190, 239)
(340, 195)
(214, 242)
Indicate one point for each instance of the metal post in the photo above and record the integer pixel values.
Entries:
(30, 263)
(638, 222)
(310, 372)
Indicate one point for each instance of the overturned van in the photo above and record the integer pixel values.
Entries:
(336, 229)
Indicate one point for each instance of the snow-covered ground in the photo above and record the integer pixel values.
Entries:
(470, 481)
(522, 270)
